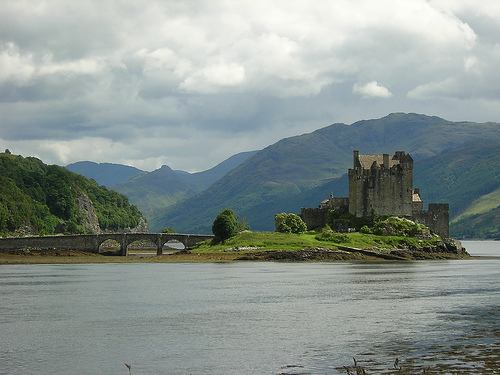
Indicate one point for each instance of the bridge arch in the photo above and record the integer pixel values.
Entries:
(93, 242)
(173, 245)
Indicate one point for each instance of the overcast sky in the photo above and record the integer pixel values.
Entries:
(188, 83)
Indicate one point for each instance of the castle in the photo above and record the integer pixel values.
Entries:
(382, 185)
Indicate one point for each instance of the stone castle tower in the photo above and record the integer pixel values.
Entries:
(381, 185)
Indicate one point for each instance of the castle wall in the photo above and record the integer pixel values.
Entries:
(382, 185)
(437, 218)
(386, 191)
(314, 217)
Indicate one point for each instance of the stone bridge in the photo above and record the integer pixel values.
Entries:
(91, 242)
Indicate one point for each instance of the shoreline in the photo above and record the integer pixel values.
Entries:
(309, 255)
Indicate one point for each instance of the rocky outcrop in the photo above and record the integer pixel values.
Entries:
(446, 249)
(142, 227)
(87, 211)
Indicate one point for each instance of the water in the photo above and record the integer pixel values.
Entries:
(249, 318)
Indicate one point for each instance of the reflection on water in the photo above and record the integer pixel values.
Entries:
(251, 318)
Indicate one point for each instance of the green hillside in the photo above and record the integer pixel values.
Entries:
(37, 196)
(483, 225)
(163, 187)
(155, 190)
(461, 175)
(481, 205)
(200, 181)
(294, 165)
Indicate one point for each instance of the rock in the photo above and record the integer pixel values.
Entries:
(89, 217)
(61, 227)
(26, 229)
(142, 227)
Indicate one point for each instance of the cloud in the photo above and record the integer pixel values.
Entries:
(13, 65)
(371, 90)
(188, 83)
(213, 77)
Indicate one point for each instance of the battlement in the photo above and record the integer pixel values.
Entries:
(382, 185)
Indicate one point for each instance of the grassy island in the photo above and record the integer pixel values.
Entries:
(324, 245)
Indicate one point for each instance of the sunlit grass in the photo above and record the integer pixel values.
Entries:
(292, 242)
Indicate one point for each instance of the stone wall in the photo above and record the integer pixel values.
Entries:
(437, 218)
(382, 189)
(314, 217)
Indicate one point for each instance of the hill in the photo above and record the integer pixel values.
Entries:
(163, 187)
(468, 177)
(106, 174)
(36, 198)
(155, 190)
(461, 175)
(277, 176)
(200, 181)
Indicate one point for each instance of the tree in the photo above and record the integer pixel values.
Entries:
(225, 226)
(289, 223)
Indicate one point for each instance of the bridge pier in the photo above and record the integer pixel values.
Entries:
(124, 246)
(159, 247)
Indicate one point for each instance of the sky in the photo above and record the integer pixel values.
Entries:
(189, 83)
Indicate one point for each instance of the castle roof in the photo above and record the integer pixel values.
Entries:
(367, 161)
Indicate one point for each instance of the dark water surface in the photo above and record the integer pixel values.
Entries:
(250, 318)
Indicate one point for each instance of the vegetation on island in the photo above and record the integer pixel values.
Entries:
(289, 223)
(226, 225)
(376, 237)
(40, 196)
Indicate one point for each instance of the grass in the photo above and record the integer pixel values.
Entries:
(265, 241)
(481, 205)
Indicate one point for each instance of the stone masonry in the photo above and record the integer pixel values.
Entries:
(382, 185)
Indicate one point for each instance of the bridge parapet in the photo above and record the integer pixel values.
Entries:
(92, 242)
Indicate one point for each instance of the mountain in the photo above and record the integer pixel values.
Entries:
(106, 174)
(468, 178)
(199, 181)
(163, 187)
(278, 174)
(485, 225)
(155, 190)
(36, 198)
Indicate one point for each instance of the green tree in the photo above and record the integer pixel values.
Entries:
(289, 223)
(225, 226)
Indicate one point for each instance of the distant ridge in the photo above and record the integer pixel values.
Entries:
(159, 189)
(106, 174)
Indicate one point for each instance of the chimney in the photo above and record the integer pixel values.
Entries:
(386, 161)
(356, 157)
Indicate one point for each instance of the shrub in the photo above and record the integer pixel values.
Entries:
(289, 223)
(327, 234)
(225, 226)
(397, 226)
(365, 229)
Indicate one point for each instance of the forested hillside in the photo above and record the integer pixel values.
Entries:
(36, 198)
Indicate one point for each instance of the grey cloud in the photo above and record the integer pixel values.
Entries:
(190, 83)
